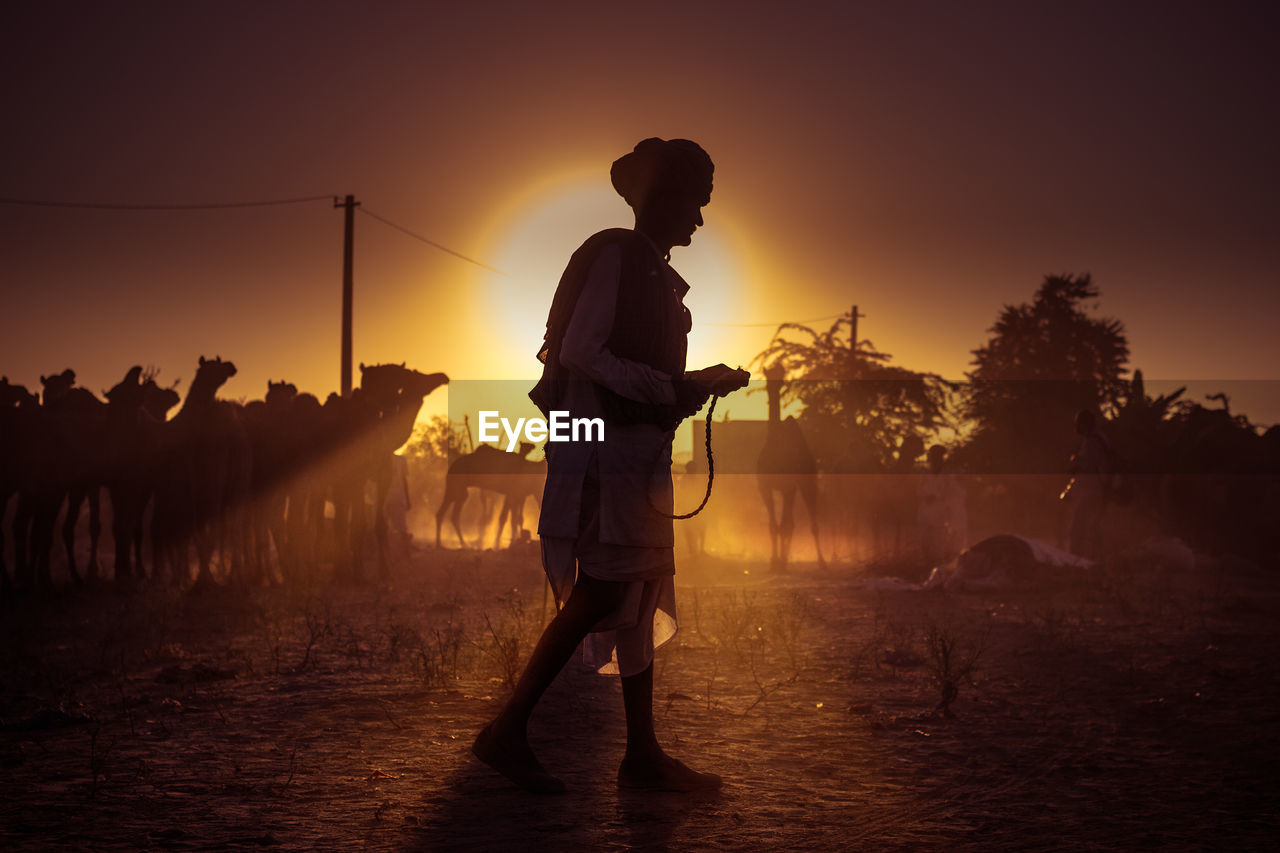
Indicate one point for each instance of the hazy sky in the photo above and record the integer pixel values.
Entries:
(928, 161)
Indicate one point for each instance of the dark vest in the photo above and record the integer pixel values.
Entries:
(650, 326)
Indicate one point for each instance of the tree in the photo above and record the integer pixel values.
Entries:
(857, 405)
(437, 440)
(1045, 361)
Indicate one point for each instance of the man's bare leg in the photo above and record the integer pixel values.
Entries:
(504, 744)
(645, 765)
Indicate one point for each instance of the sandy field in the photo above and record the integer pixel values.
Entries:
(1125, 708)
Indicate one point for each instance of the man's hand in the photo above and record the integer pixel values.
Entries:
(719, 380)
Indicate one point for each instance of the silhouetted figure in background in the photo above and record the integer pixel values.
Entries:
(896, 503)
(785, 466)
(940, 515)
(1091, 468)
(615, 348)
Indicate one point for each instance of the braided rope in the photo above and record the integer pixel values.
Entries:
(711, 474)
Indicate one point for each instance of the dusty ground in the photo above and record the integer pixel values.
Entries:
(1116, 712)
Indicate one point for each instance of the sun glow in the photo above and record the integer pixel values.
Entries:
(533, 240)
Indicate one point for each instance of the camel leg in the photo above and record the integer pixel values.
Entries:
(444, 505)
(121, 530)
(505, 514)
(75, 499)
(382, 491)
(95, 532)
(292, 527)
(358, 530)
(136, 538)
(810, 495)
(164, 560)
(351, 542)
(23, 526)
(341, 534)
(5, 586)
(276, 530)
(455, 517)
(766, 495)
(787, 527)
(203, 537)
(42, 535)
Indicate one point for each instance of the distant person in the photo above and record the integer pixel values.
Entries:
(615, 348)
(897, 500)
(941, 515)
(1091, 469)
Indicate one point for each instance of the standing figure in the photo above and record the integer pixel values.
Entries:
(940, 514)
(615, 350)
(1091, 469)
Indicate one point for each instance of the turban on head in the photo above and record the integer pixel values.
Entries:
(662, 165)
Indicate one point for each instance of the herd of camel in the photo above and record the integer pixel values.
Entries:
(257, 492)
(240, 483)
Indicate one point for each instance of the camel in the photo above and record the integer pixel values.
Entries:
(363, 433)
(201, 498)
(511, 475)
(19, 411)
(269, 424)
(785, 466)
(136, 413)
(395, 427)
(303, 485)
(64, 461)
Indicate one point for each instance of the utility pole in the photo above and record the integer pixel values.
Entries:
(853, 333)
(350, 204)
(850, 393)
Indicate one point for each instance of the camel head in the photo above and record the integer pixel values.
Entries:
(158, 401)
(280, 393)
(422, 384)
(214, 372)
(127, 392)
(58, 384)
(15, 395)
(389, 380)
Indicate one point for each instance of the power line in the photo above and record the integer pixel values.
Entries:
(207, 206)
(367, 212)
(772, 325)
(82, 205)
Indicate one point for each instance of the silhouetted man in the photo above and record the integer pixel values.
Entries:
(615, 349)
(1092, 469)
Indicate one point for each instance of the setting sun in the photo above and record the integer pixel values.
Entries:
(532, 241)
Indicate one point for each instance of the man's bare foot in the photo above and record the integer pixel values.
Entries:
(664, 773)
(513, 758)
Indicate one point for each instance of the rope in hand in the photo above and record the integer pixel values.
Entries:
(711, 474)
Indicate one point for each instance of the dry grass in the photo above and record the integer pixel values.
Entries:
(1119, 713)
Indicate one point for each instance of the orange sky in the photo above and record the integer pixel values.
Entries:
(928, 163)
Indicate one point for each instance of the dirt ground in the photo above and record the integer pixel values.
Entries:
(1119, 710)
